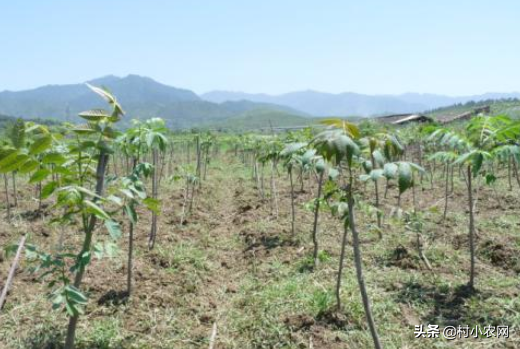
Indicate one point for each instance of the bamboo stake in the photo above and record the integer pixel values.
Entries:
(10, 277)
(213, 336)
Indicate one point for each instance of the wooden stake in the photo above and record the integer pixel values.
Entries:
(213, 336)
(11, 272)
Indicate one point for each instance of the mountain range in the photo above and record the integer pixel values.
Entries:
(143, 97)
(354, 104)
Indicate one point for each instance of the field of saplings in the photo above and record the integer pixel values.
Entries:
(342, 235)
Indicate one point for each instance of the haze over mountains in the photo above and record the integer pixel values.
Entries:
(353, 104)
(143, 97)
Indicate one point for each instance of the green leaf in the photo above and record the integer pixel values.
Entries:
(72, 310)
(390, 171)
(367, 166)
(105, 147)
(477, 161)
(109, 132)
(7, 156)
(115, 199)
(130, 212)
(379, 158)
(14, 164)
(16, 133)
(87, 192)
(40, 145)
(53, 158)
(28, 166)
(94, 114)
(292, 148)
(74, 300)
(111, 249)
(87, 145)
(490, 178)
(48, 189)
(76, 295)
(376, 174)
(63, 170)
(333, 174)
(96, 210)
(107, 96)
(464, 157)
(128, 193)
(139, 191)
(84, 130)
(417, 168)
(405, 180)
(84, 259)
(114, 229)
(153, 205)
(340, 209)
(98, 250)
(348, 127)
(364, 177)
(58, 301)
(39, 175)
(321, 166)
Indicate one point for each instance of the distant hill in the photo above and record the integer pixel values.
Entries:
(262, 118)
(348, 104)
(6, 120)
(141, 98)
(506, 106)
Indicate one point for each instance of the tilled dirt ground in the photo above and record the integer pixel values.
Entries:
(234, 262)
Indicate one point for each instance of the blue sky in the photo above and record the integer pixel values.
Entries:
(454, 47)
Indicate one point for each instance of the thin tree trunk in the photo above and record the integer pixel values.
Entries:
(262, 184)
(130, 259)
(153, 230)
(515, 169)
(359, 270)
(188, 152)
(198, 171)
(192, 196)
(274, 193)
(206, 162)
(162, 160)
(185, 200)
(8, 204)
(15, 191)
(315, 226)
(471, 283)
(376, 187)
(170, 160)
(452, 179)
(130, 271)
(100, 180)
(40, 207)
(115, 164)
(340, 269)
(414, 199)
(509, 177)
(292, 202)
(446, 190)
(421, 252)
